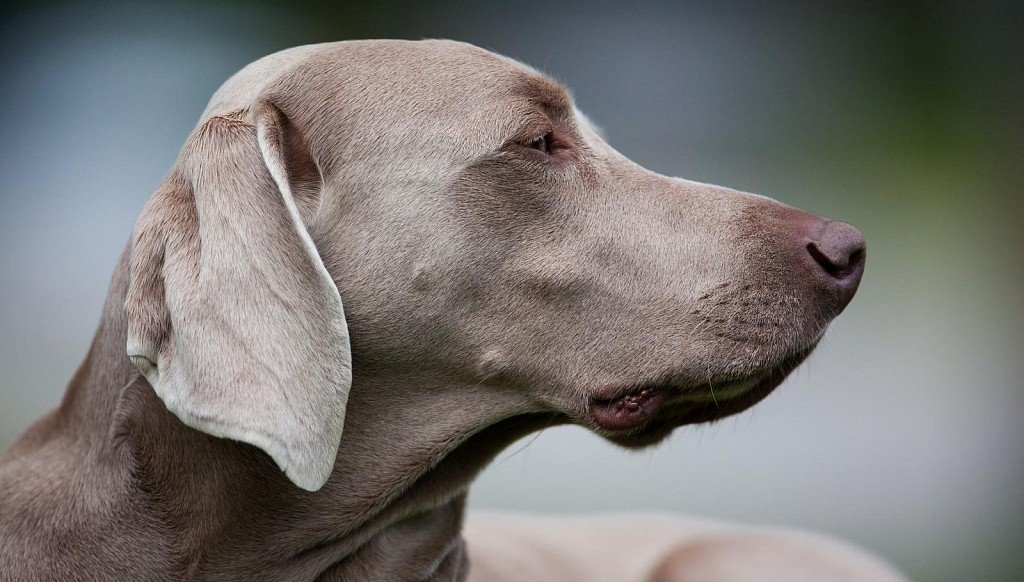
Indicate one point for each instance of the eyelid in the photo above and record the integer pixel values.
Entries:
(532, 128)
(561, 139)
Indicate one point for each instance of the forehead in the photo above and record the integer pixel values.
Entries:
(468, 66)
(412, 102)
(437, 79)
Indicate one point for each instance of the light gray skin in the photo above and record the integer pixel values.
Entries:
(369, 271)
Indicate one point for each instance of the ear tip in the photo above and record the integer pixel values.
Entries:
(309, 470)
(306, 459)
(308, 463)
(307, 478)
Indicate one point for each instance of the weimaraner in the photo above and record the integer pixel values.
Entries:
(373, 266)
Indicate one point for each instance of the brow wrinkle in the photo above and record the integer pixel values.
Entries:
(546, 94)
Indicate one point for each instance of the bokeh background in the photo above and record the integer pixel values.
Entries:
(904, 432)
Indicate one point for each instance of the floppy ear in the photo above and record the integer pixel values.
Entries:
(232, 316)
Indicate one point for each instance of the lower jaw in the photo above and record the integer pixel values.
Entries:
(692, 408)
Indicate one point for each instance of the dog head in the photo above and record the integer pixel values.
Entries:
(478, 230)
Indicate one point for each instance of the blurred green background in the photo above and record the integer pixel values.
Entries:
(904, 432)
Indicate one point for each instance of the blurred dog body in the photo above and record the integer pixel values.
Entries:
(656, 548)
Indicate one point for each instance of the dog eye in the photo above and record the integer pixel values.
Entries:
(542, 143)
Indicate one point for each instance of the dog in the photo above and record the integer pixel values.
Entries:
(373, 266)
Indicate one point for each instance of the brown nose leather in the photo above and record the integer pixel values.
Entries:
(839, 249)
(827, 256)
(835, 253)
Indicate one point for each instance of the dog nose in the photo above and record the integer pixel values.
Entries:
(827, 256)
(838, 250)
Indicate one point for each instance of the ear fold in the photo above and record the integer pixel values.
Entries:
(232, 316)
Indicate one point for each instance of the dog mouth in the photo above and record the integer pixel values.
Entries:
(632, 416)
(628, 410)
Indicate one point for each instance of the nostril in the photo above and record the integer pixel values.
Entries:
(830, 266)
(856, 259)
(839, 250)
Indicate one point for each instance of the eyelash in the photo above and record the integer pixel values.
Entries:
(546, 144)
(541, 143)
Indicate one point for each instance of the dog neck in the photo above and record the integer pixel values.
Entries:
(392, 508)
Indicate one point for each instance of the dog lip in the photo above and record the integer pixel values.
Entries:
(614, 391)
(624, 408)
